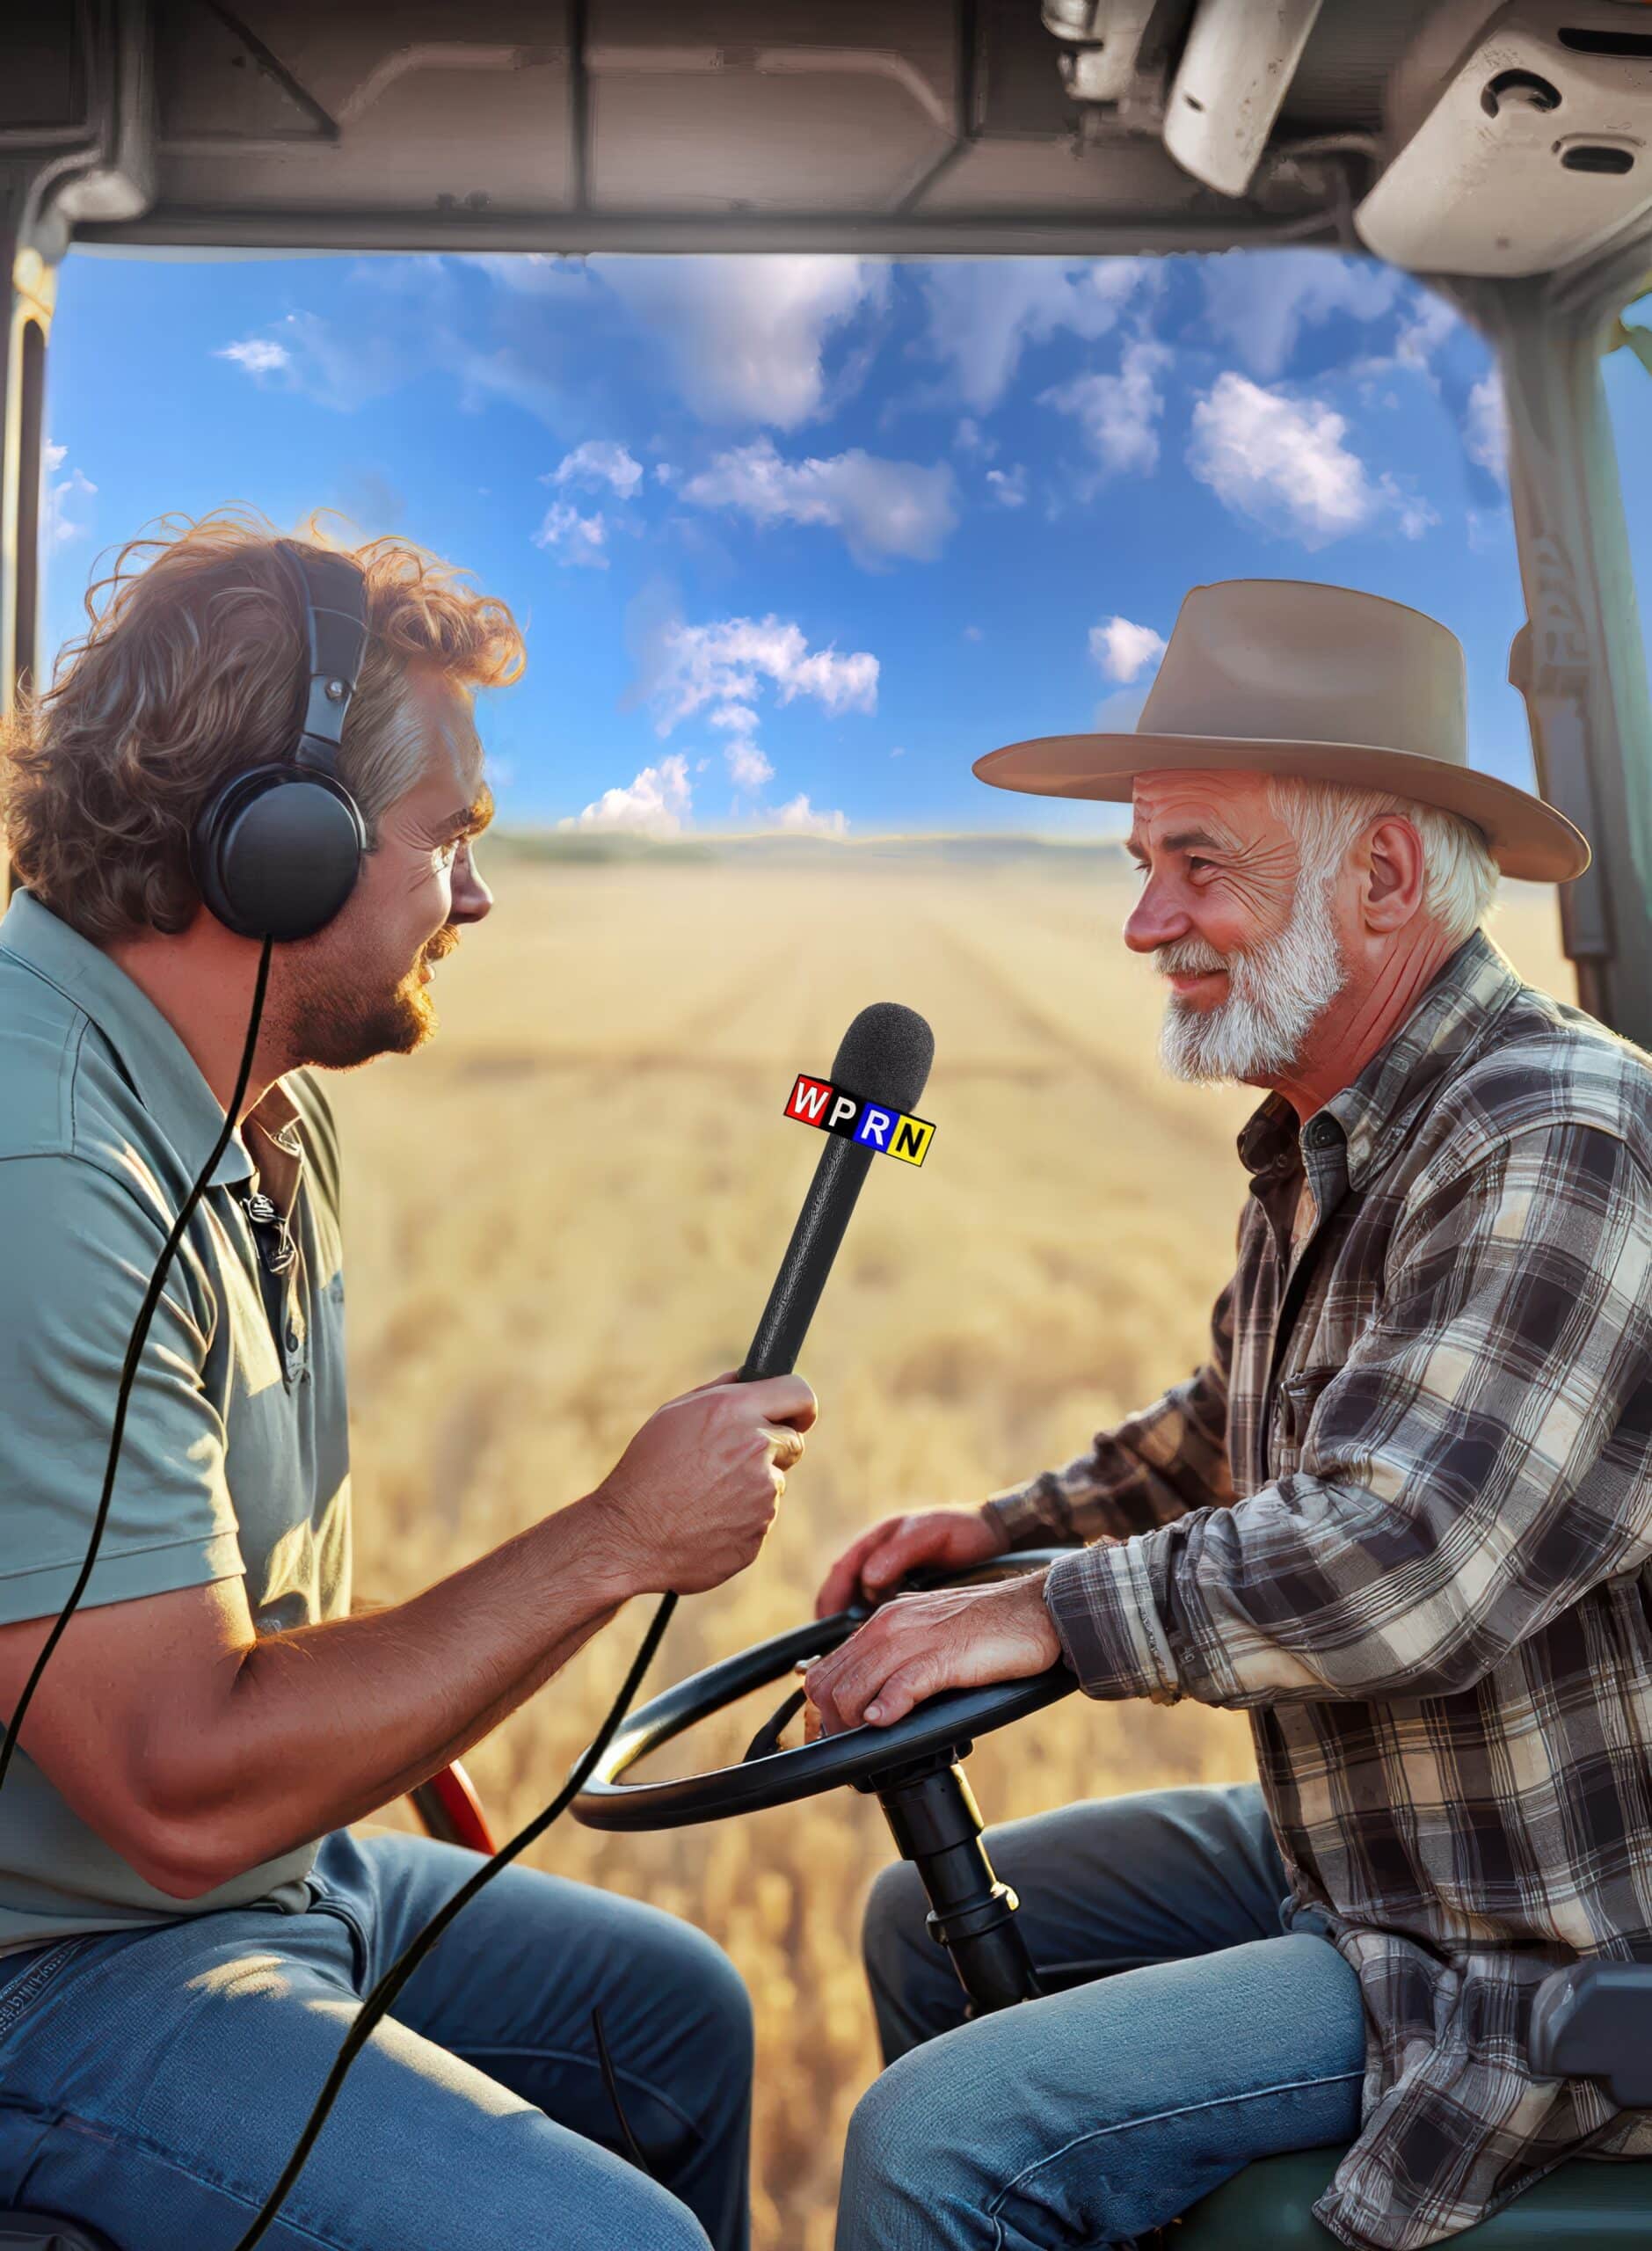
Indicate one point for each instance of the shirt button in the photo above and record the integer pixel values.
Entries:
(292, 1340)
(1323, 1133)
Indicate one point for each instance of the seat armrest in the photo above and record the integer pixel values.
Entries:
(1594, 2021)
(450, 1810)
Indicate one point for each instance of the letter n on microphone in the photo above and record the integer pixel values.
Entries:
(891, 1132)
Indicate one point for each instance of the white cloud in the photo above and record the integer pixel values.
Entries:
(729, 666)
(738, 719)
(747, 335)
(1486, 426)
(573, 538)
(1009, 487)
(258, 355)
(1430, 322)
(728, 663)
(970, 438)
(748, 769)
(1262, 302)
(1123, 651)
(881, 508)
(1116, 413)
(61, 520)
(1280, 461)
(973, 633)
(598, 460)
(983, 313)
(657, 803)
(1414, 516)
(899, 751)
(800, 815)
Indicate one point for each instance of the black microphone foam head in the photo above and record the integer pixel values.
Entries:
(885, 1055)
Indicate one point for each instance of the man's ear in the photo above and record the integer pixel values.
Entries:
(1394, 873)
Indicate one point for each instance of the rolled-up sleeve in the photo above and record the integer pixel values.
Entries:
(1442, 1511)
(1148, 1469)
(77, 1248)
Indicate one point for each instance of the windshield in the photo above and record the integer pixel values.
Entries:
(793, 541)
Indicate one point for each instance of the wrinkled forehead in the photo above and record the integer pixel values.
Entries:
(1227, 807)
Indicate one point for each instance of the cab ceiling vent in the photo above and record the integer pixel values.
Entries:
(1524, 157)
(1590, 157)
(1634, 46)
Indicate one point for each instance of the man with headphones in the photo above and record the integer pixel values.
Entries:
(258, 775)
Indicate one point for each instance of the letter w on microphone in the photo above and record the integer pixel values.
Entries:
(855, 1118)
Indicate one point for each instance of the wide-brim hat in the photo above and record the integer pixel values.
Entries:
(1281, 676)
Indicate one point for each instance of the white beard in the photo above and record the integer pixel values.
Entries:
(1276, 993)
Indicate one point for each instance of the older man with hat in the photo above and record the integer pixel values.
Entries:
(1403, 1516)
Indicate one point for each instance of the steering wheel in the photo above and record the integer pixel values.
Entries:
(912, 1766)
(946, 1723)
(768, 1777)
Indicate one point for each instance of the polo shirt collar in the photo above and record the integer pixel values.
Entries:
(165, 1075)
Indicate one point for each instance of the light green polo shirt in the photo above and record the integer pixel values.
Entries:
(234, 1460)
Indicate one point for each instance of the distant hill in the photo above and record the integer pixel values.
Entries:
(777, 849)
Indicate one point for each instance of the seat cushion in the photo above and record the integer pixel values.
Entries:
(38, 2232)
(1578, 2207)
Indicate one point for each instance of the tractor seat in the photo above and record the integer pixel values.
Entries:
(1587, 2022)
(1269, 2207)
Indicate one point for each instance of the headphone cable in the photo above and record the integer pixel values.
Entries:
(135, 1353)
(377, 2004)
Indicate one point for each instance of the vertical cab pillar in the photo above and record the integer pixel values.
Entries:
(1579, 661)
(32, 288)
(76, 144)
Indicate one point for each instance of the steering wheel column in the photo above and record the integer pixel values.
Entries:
(912, 1767)
(936, 1826)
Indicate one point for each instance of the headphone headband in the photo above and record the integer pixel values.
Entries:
(333, 595)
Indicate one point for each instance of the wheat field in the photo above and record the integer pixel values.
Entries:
(571, 1205)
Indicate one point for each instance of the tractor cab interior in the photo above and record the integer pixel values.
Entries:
(1501, 151)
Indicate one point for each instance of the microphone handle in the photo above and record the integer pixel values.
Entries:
(837, 1182)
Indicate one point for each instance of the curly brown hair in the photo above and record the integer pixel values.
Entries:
(192, 670)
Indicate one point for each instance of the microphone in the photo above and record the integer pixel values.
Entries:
(885, 1057)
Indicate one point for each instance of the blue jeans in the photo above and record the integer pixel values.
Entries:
(1184, 2031)
(153, 2083)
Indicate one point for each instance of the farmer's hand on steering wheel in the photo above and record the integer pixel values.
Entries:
(916, 1646)
(949, 1539)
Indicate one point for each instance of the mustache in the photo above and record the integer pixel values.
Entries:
(443, 945)
(1187, 957)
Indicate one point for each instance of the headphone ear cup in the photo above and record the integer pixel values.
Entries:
(278, 851)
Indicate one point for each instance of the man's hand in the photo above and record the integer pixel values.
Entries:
(690, 1501)
(963, 1637)
(949, 1538)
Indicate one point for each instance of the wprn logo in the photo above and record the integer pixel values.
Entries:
(816, 1102)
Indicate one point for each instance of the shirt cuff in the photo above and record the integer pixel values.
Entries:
(1021, 1514)
(1100, 1601)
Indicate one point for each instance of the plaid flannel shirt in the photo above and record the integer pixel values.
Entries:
(1403, 1517)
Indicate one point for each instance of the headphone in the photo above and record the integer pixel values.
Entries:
(276, 850)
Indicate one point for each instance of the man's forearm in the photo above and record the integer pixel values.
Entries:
(323, 1726)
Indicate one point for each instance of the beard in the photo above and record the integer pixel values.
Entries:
(338, 1024)
(1276, 992)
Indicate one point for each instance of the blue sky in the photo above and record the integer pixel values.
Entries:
(793, 540)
